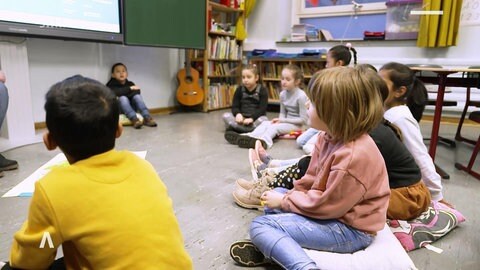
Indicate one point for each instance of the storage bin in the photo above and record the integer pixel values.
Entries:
(401, 24)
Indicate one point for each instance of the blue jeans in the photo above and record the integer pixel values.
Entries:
(281, 236)
(128, 106)
(305, 136)
(3, 102)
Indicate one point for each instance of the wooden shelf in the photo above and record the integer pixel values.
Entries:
(220, 7)
(323, 58)
(270, 72)
(219, 108)
(221, 34)
(224, 60)
(343, 40)
(273, 101)
(222, 76)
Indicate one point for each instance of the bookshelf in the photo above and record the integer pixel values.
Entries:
(270, 70)
(219, 64)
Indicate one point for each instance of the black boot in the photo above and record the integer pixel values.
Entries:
(7, 164)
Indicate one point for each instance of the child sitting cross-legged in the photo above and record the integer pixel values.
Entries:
(316, 213)
(108, 209)
(292, 113)
(249, 104)
(409, 194)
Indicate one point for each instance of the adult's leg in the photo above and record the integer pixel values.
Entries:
(3, 102)
(5, 164)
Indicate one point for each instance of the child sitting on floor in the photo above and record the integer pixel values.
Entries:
(129, 97)
(408, 94)
(337, 56)
(249, 105)
(292, 113)
(108, 209)
(316, 213)
(409, 195)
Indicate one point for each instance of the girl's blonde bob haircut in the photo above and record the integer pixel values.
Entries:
(347, 100)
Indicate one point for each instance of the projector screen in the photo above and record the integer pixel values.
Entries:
(92, 20)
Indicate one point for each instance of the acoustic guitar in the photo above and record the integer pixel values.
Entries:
(189, 92)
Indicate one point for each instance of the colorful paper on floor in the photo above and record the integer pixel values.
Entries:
(26, 187)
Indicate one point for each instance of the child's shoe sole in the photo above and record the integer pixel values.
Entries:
(246, 142)
(247, 254)
(231, 137)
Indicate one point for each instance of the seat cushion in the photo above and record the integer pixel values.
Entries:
(430, 226)
(385, 252)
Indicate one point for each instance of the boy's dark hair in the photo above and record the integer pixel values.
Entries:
(116, 65)
(416, 96)
(82, 116)
(342, 52)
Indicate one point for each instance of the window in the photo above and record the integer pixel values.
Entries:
(344, 19)
(328, 8)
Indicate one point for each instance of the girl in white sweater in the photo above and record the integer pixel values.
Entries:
(404, 107)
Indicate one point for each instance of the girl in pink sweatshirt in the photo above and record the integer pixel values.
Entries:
(341, 202)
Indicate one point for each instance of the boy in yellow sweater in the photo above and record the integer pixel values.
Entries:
(108, 209)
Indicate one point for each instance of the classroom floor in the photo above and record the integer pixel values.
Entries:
(199, 168)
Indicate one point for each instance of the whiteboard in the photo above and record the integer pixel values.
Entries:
(470, 14)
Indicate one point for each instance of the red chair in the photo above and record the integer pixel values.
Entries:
(474, 116)
(468, 103)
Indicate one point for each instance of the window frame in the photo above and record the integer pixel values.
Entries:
(299, 11)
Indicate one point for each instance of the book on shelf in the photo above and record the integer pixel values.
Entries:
(300, 32)
(220, 95)
(325, 35)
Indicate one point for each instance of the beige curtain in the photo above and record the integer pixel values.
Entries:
(439, 30)
(241, 32)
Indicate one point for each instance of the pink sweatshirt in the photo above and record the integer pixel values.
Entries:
(355, 184)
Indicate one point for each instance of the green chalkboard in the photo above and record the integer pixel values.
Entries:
(165, 23)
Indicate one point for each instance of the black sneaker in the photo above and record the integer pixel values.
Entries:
(247, 254)
(231, 137)
(246, 141)
(7, 164)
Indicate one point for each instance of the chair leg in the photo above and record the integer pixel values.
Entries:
(468, 169)
(458, 135)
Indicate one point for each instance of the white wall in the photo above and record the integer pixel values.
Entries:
(49, 61)
(271, 21)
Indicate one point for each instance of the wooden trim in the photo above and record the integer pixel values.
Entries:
(154, 111)
(449, 120)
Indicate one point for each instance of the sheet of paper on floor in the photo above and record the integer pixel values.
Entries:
(26, 187)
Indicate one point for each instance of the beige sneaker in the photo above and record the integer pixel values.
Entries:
(250, 198)
(266, 176)
(245, 183)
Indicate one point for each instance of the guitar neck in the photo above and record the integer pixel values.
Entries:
(188, 64)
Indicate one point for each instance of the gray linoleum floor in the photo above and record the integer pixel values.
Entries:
(199, 168)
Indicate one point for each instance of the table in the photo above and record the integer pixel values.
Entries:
(443, 81)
